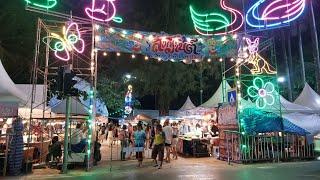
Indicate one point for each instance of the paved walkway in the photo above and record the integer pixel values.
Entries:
(185, 169)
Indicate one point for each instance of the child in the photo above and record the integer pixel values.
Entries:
(139, 140)
(158, 149)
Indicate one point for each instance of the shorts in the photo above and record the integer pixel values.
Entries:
(167, 144)
(158, 150)
(139, 156)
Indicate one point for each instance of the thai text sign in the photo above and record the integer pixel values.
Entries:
(163, 46)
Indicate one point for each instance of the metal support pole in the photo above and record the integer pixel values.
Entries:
(66, 128)
(315, 47)
(303, 72)
(285, 57)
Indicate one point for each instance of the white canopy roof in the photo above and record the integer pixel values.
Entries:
(76, 107)
(288, 107)
(187, 105)
(8, 90)
(310, 122)
(309, 98)
(217, 97)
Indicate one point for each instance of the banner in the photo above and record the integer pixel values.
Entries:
(8, 110)
(227, 115)
(164, 46)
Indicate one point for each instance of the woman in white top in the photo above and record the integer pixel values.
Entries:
(168, 131)
(110, 134)
(175, 140)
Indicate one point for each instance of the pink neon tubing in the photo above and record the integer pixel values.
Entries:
(62, 58)
(93, 9)
(299, 4)
(234, 12)
(80, 39)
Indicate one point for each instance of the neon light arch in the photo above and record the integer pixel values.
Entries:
(264, 15)
(103, 11)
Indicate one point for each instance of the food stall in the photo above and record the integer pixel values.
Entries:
(194, 132)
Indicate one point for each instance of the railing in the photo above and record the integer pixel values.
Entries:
(272, 147)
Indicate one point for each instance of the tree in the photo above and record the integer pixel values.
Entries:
(167, 81)
(113, 94)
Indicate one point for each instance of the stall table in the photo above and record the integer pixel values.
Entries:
(193, 147)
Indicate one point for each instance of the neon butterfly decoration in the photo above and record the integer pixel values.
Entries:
(277, 12)
(208, 24)
(103, 10)
(46, 4)
(63, 46)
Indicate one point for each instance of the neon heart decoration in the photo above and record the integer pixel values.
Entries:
(103, 11)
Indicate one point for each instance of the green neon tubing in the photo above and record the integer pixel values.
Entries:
(201, 24)
(50, 4)
(117, 19)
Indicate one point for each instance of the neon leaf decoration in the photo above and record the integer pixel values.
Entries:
(260, 65)
(103, 11)
(70, 41)
(262, 93)
(272, 13)
(210, 23)
(45, 4)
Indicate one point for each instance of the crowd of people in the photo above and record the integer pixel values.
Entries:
(162, 139)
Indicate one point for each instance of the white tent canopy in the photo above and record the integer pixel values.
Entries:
(8, 90)
(37, 111)
(187, 105)
(309, 98)
(217, 97)
(310, 123)
(289, 107)
(76, 107)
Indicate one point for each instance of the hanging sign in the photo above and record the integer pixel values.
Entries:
(8, 110)
(163, 46)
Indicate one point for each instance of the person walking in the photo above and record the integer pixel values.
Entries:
(158, 148)
(168, 131)
(175, 140)
(139, 140)
(123, 137)
(152, 133)
(102, 132)
(110, 134)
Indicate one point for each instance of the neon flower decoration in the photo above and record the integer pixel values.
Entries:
(260, 65)
(209, 24)
(46, 4)
(63, 46)
(103, 11)
(272, 13)
(262, 92)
